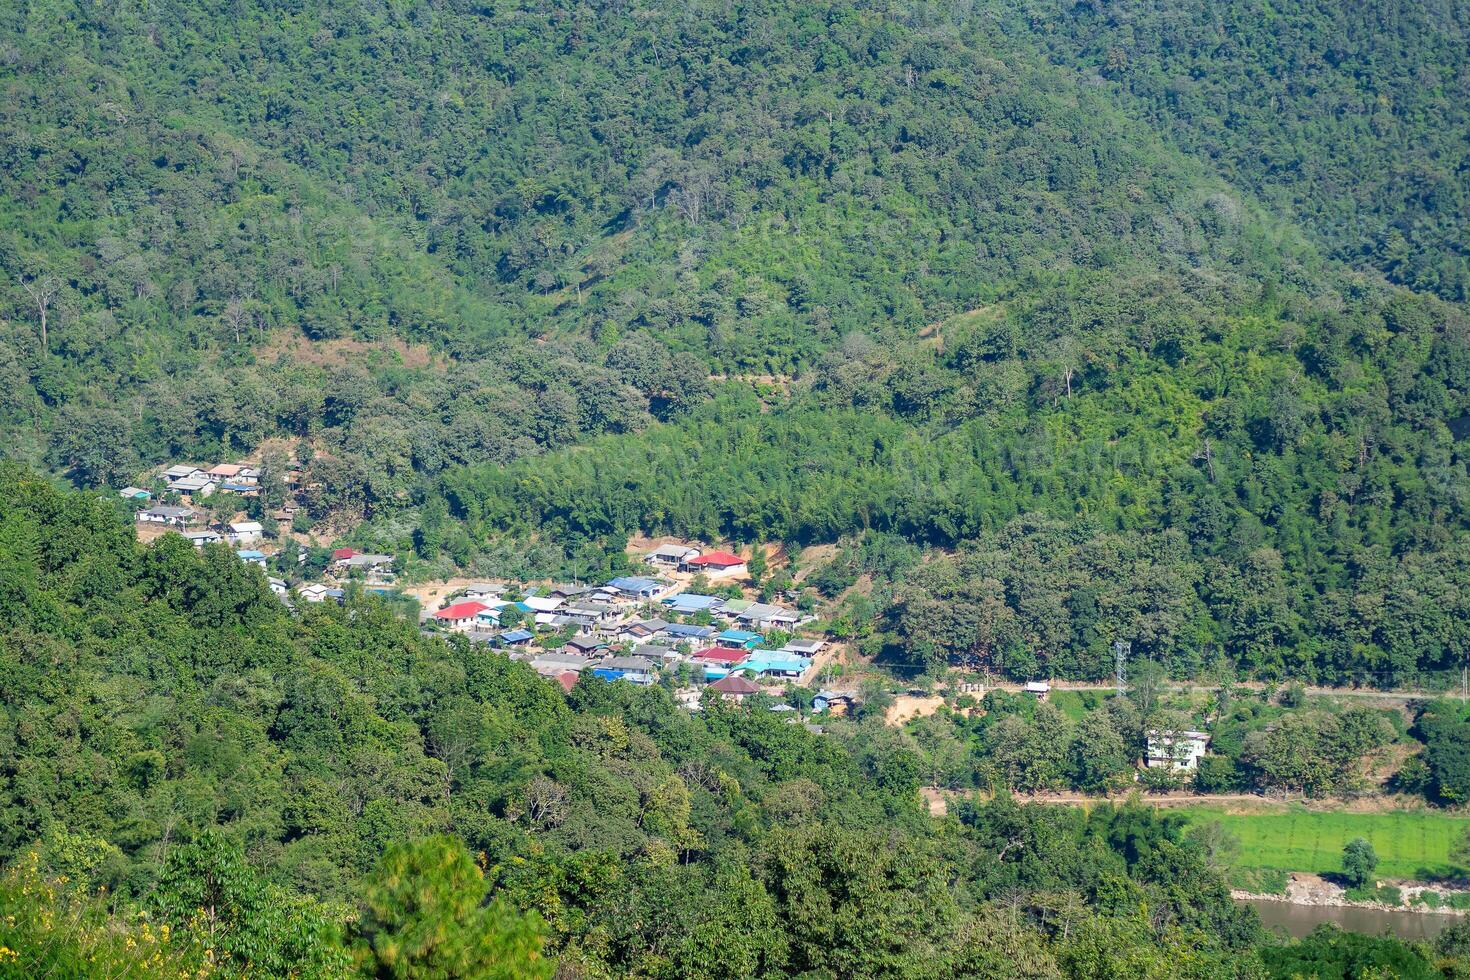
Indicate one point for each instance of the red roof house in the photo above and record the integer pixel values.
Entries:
(567, 679)
(717, 564)
(461, 615)
(339, 554)
(715, 559)
(721, 655)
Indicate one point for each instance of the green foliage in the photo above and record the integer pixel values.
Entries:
(54, 927)
(1445, 728)
(210, 895)
(1359, 861)
(1383, 894)
(1075, 294)
(1259, 881)
(1005, 283)
(1331, 954)
(241, 769)
(425, 918)
(1314, 752)
(1344, 115)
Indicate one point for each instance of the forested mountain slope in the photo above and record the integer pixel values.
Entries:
(746, 184)
(1067, 323)
(1140, 319)
(1350, 117)
(170, 733)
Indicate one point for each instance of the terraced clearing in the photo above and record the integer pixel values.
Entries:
(1413, 844)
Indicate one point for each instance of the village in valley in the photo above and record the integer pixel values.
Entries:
(709, 623)
(685, 619)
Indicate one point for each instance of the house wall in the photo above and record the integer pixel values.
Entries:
(716, 574)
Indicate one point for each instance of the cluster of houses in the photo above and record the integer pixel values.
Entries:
(243, 536)
(712, 564)
(601, 608)
(630, 629)
(192, 483)
(196, 481)
(633, 628)
(376, 572)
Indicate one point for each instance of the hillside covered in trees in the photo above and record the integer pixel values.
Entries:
(196, 782)
(1088, 295)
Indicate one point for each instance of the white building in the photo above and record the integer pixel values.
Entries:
(670, 555)
(460, 617)
(170, 516)
(244, 532)
(1179, 751)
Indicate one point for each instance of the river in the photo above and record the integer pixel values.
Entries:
(1298, 920)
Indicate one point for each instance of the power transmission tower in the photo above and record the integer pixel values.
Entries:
(1121, 650)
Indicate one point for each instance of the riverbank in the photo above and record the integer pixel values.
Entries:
(1414, 896)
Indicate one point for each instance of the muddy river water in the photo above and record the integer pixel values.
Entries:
(1298, 920)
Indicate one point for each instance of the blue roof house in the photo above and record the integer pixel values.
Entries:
(739, 639)
(636, 670)
(690, 602)
(684, 631)
(775, 663)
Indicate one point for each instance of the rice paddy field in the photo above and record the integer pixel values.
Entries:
(1410, 844)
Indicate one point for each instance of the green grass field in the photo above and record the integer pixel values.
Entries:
(1409, 845)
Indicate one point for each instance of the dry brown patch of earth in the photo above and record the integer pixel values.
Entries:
(906, 708)
(431, 595)
(296, 346)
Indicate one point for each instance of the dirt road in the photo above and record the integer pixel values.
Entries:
(1338, 692)
(939, 799)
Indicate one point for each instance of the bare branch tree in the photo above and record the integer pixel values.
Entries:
(42, 290)
(237, 315)
(546, 803)
(694, 189)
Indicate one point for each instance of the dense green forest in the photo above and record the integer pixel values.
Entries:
(195, 781)
(1268, 498)
(1349, 117)
(1139, 291)
(1065, 323)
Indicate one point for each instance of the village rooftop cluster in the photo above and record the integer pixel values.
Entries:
(638, 628)
(633, 628)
